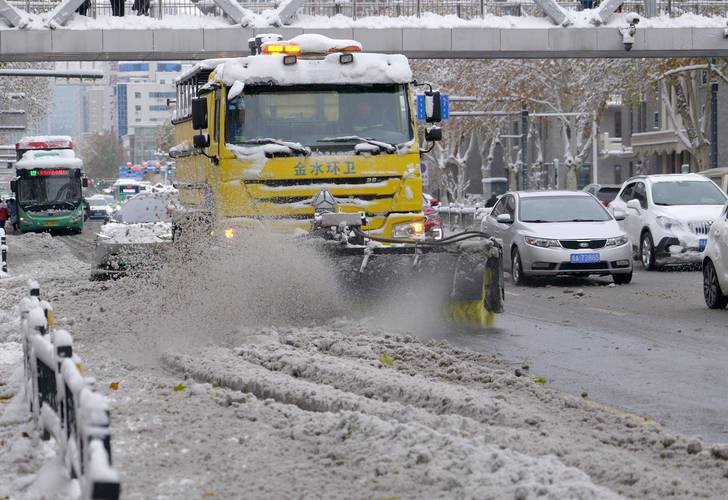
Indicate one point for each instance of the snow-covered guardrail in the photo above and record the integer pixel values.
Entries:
(63, 402)
(3, 252)
(461, 216)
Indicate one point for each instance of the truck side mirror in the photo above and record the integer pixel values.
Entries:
(433, 134)
(201, 141)
(433, 112)
(84, 182)
(199, 113)
(14, 186)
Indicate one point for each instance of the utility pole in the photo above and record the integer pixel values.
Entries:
(524, 146)
(714, 124)
(595, 150)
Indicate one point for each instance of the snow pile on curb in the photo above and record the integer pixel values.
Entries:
(143, 232)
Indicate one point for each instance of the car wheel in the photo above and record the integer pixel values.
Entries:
(647, 252)
(517, 275)
(714, 297)
(622, 279)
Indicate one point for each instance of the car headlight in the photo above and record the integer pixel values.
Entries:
(409, 230)
(76, 218)
(542, 242)
(617, 242)
(667, 223)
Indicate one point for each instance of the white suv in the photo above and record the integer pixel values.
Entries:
(715, 264)
(668, 217)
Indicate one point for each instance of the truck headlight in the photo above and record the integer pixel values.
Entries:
(409, 230)
(668, 224)
(617, 242)
(542, 242)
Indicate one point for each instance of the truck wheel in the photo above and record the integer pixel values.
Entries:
(714, 297)
(647, 252)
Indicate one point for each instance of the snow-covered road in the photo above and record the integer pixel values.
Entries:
(239, 377)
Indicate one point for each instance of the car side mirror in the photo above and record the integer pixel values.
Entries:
(14, 186)
(434, 202)
(199, 113)
(619, 215)
(84, 182)
(504, 218)
(634, 204)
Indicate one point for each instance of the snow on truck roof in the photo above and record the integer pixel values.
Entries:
(60, 158)
(268, 68)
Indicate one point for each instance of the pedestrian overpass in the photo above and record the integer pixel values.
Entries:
(200, 29)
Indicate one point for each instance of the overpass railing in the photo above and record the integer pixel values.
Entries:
(466, 9)
(63, 403)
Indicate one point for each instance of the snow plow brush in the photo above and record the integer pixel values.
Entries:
(462, 273)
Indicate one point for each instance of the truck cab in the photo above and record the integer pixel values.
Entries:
(299, 117)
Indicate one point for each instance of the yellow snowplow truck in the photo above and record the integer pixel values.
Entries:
(313, 136)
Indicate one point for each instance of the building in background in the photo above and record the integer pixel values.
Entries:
(143, 94)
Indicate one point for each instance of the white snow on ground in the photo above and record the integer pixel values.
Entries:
(236, 379)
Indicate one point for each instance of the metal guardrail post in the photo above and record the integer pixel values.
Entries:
(159, 9)
(63, 403)
(3, 251)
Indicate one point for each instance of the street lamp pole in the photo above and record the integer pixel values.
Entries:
(595, 150)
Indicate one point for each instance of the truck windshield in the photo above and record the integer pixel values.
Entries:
(306, 114)
(49, 190)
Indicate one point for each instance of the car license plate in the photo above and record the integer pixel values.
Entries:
(585, 258)
(51, 223)
(701, 244)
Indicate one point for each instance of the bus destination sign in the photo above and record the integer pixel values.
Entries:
(48, 171)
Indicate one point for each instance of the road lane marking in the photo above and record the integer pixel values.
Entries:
(607, 311)
(513, 293)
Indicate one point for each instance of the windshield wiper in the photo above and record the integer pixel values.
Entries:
(537, 220)
(583, 220)
(295, 148)
(70, 203)
(389, 148)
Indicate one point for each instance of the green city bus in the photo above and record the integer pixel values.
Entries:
(48, 189)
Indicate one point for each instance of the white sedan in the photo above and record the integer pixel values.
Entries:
(559, 233)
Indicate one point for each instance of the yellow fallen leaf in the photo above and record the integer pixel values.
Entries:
(179, 387)
(208, 493)
(386, 360)
(114, 386)
(5, 397)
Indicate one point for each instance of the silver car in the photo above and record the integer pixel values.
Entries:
(559, 233)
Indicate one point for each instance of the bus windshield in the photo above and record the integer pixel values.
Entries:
(319, 116)
(43, 191)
